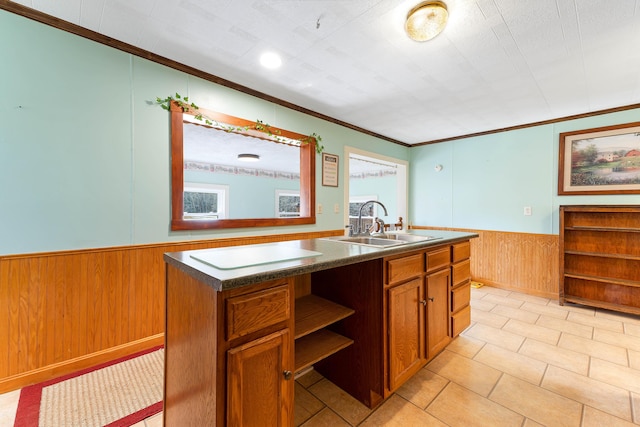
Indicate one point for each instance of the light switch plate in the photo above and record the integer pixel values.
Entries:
(527, 211)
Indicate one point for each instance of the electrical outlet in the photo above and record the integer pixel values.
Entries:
(336, 208)
(527, 211)
(319, 208)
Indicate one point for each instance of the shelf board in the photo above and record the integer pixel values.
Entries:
(603, 255)
(314, 313)
(608, 280)
(600, 228)
(316, 346)
(602, 304)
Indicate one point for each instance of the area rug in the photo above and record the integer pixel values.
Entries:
(119, 393)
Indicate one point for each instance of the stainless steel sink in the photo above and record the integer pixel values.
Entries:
(389, 240)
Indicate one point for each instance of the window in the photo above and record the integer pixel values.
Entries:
(205, 201)
(287, 203)
(368, 214)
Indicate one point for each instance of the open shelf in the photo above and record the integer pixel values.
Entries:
(316, 346)
(314, 313)
(600, 258)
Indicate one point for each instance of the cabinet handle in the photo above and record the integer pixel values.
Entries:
(423, 302)
(287, 375)
(430, 299)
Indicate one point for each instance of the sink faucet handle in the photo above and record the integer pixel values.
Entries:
(350, 228)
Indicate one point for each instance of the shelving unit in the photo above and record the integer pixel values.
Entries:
(600, 256)
(314, 342)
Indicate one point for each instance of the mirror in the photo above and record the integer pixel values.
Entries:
(212, 188)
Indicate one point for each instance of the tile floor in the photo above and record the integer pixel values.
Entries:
(524, 361)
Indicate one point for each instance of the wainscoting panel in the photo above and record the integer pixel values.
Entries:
(521, 262)
(64, 311)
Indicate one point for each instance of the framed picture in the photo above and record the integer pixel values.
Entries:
(329, 170)
(603, 160)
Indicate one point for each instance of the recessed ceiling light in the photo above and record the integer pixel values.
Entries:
(270, 60)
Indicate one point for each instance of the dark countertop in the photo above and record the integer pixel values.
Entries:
(332, 254)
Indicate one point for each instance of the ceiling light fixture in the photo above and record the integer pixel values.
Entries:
(270, 60)
(426, 20)
(248, 157)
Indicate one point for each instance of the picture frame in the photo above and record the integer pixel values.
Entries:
(330, 163)
(598, 161)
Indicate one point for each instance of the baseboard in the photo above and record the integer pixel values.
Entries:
(532, 292)
(69, 366)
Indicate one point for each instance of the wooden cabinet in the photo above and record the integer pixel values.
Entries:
(259, 382)
(417, 311)
(406, 326)
(600, 256)
(460, 287)
(230, 353)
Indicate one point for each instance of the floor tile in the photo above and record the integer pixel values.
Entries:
(422, 388)
(516, 313)
(457, 406)
(576, 308)
(632, 329)
(529, 298)
(616, 338)
(326, 418)
(614, 374)
(616, 315)
(536, 332)
(596, 322)
(634, 359)
(465, 346)
(397, 412)
(594, 348)
(309, 378)
(547, 310)
(483, 305)
(556, 356)
(306, 405)
(531, 423)
(595, 418)
(635, 404)
(502, 300)
(607, 398)
(154, 421)
(518, 365)
(340, 402)
(8, 407)
(488, 318)
(490, 290)
(528, 400)
(468, 373)
(495, 336)
(567, 326)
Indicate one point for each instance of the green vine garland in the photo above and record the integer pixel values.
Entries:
(259, 125)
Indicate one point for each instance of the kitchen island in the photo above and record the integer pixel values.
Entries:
(242, 321)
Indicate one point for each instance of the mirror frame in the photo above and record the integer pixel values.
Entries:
(307, 174)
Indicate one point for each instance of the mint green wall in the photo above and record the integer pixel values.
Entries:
(488, 180)
(84, 152)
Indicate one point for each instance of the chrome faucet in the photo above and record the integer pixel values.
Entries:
(359, 231)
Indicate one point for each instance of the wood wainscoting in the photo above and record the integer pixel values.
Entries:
(522, 262)
(65, 311)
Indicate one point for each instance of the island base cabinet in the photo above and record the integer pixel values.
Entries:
(406, 331)
(229, 354)
(258, 382)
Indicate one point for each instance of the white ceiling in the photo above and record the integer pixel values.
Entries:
(498, 63)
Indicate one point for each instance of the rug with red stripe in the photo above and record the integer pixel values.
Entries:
(119, 393)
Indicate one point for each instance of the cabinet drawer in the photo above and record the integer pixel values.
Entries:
(460, 320)
(461, 272)
(404, 268)
(438, 259)
(461, 251)
(460, 297)
(257, 310)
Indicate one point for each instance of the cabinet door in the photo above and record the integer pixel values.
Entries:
(406, 331)
(437, 312)
(260, 382)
